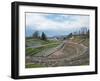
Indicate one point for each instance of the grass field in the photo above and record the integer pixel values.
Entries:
(33, 51)
(33, 65)
(35, 42)
(41, 45)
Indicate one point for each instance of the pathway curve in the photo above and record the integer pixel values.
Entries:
(69, 54)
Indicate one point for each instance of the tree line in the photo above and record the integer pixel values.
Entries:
(36, 35)
(83, 32)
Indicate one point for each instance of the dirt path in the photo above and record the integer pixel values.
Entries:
(69, 54)
(61, 54)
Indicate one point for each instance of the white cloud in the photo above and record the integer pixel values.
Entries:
(39, 22)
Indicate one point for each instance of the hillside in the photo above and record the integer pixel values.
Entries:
(73, 51)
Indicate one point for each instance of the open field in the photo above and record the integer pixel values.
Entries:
(53, 53)
(39, 46)
(37, 42)
(33, 51)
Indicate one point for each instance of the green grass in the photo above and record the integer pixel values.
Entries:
(38, 42)
(33, 51)
(33, 65)
(31, 42)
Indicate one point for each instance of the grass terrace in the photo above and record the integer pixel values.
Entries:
(43, 45)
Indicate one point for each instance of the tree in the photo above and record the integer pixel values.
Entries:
(83, 31)
(43, 36)
(36, 34)
(88, 33)
(70, 35)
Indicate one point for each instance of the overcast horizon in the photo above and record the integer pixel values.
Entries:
(54, 24)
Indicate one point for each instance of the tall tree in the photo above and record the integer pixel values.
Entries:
(83, 30)
(88, 33)
(43, 36)
(36, 34)
(70, 35)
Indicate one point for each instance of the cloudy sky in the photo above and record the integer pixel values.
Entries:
(54, 24)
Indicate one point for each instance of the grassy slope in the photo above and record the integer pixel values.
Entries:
(33, 65)
(31, 42)
(83, 59)
(33, 51)
(43, 45)
(81, 40)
